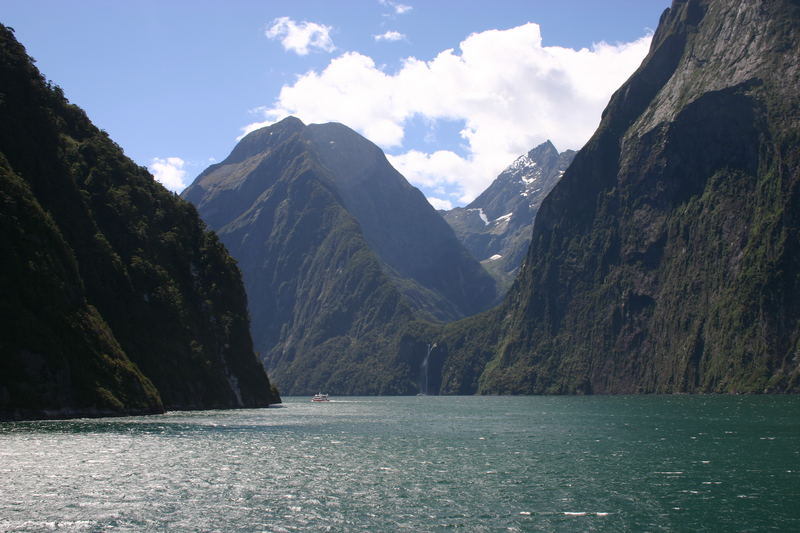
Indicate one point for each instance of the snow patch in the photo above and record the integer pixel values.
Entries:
(521, 162)
(503, 218)
(482, 215)
(495, 257)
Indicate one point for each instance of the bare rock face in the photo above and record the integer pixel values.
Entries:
(666, 259)
(496, 226)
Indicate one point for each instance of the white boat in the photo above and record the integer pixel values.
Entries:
(319, 397)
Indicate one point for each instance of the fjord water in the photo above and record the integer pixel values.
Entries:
(652, 463)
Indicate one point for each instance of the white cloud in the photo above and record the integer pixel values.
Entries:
(390, 36)
(442, 167)
(169, 172)
(399, 8)
(511, 93)
(301, 37)
(439, 203)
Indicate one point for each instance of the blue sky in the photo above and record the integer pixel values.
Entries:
(453, 91)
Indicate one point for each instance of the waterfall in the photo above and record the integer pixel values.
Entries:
(423, 370)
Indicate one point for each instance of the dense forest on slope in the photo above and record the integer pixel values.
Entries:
(339, 255)
(113, 296)
(667, 258)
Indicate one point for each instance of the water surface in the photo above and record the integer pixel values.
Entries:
(652, 463)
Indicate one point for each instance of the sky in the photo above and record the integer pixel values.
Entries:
(452, 91)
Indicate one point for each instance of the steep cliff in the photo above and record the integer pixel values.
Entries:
(667, 257)
(113, 297)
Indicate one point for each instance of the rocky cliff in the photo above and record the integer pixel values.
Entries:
(113, 297)
(496, 226)
(667, 258)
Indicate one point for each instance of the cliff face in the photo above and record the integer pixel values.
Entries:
(666, 259)
(114, 299)
(339, 253)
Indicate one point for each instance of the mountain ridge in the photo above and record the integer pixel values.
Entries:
(339, 254)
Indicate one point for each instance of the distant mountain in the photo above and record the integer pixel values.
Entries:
(338, 252)
(113, 297)
(666, 259)
(496, 226)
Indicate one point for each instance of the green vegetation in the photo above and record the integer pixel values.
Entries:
(666, 259)
(340, 257)
(115, 299)
(326, 314)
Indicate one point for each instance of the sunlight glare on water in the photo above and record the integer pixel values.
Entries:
(655, 463)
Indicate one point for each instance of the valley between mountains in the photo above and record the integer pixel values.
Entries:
(662, 257)
(340, 255)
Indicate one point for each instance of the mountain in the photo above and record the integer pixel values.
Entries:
(338, 252)
(496, 226)
(667, 259)
(114, 299)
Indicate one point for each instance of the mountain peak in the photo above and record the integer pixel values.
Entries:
(544, 151)
(349, 156)
(525, 181)
(544, 154)
(337, 250)
(258, 140)
(290, 121)
(496, 226)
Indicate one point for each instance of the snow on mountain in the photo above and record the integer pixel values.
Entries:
(496, 226)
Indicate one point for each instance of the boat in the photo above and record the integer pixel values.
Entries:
(319, 397)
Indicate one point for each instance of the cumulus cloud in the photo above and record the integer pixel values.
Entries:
(390, 36)
(510, 92)
(301, 37)
(169, 172)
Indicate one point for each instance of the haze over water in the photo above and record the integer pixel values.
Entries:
(647, 463)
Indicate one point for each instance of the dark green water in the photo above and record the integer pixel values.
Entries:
(654, 463)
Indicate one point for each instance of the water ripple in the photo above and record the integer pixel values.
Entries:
(418, 464)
